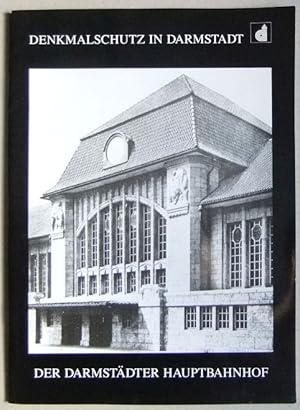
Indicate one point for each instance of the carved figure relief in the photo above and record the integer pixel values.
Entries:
(58, 219)
(179, 191)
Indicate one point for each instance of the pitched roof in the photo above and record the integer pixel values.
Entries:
(257, 178)
(178, 88)
(39, 221)
(180, 117)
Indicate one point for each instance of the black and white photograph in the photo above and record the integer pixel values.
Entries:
(151, 206)
(150, 210)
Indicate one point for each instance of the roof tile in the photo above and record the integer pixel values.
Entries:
(257, 178)
(166, 123)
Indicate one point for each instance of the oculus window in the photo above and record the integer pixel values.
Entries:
(116, 150)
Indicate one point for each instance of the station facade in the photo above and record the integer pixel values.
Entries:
(159, 234)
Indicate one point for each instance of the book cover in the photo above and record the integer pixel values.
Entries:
(151, 206)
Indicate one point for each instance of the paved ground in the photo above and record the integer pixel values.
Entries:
(39, 349)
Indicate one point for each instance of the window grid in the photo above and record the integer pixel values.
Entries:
(255, 253)
(145, 277)
(92, 284)
(34, 273)
(235, 255)
(162, 237)
(240, 317)
(119, 233)
(94, 242)
(117, 282)
(271, 250)
(104, 284)
(190, 315)
(106, 239)
(82, 249)
(222, 317)
(205, 317)
(146, 233)
(161, 277)
(131, 282)
(81, 285)
(132, 232)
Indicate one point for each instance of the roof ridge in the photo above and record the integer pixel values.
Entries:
(186, 79)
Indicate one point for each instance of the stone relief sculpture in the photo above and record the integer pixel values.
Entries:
(58, 220)
(179, 186)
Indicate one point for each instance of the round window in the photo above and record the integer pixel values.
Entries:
(115, 152)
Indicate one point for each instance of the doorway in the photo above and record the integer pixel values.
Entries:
(100, 329)
(71, 329)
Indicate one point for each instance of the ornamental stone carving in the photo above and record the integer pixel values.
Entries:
(58, 218)
(178, 191)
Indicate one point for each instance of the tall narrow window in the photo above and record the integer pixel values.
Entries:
(145, 277)
(131, 282)
(271, 249)
(34, 273)
(161, 277)
(222, 317)
(132, 231)
(190, 317)
(92, 285)
(117, 282)
(43, 273)
(119, 233)
(146, 233)
(93, 242)
(81, 285)
(104, 284)
(106, 240)
(82, 250)
(255, 253)
(235, 255)
(162, 237)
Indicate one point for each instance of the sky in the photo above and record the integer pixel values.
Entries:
(66, 104)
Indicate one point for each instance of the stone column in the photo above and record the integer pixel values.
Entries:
(85, 329)
(62, 248)
(230, 308)
(214, 317)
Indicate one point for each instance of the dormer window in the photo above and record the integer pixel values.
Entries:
(116, 150)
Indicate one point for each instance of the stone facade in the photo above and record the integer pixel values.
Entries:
(139, 261)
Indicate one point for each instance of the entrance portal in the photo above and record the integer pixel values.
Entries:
(100, 329)
(71, 329)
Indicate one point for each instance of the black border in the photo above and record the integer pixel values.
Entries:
(280, 385)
